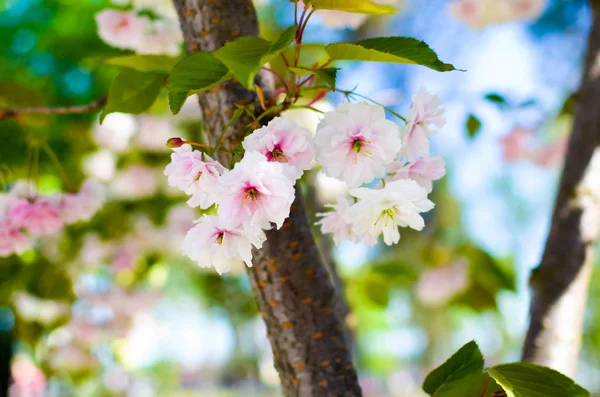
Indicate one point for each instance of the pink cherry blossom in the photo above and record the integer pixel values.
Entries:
(527, 9)
(425, 112)
(121, 29)
(153, 132)
(256, 191)
(134, 182)
(423, 171)
(283, 141)
(479, 13)
(161, 37)
(334, 222)
(29, 380)
(195, 173)
(12, 241)
(341, 19)
(214, 243)
(40, 216)
(83, 205)
(550, 154)
(355, 143)
(438, 285)
(518, 144)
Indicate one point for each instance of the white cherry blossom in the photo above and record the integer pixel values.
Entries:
(382, 211)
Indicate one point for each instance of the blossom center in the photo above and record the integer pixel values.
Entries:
(219, 239)
(250, 194)
(358, 144)
(277, 155)
(387, 215)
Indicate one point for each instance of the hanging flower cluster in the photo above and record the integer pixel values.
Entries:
(358, 145)
(258, 191)
(355, 144)
(479, 13)
(24, 212)
(130, 31)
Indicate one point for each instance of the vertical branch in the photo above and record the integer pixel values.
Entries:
(207, 25)
(326, 248)
(294, 292)
(298, 301)
(560, 284)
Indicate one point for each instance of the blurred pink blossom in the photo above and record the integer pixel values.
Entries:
(12, 241)
(40, 216)
(121, 29)
(29, 380)
(438, 285)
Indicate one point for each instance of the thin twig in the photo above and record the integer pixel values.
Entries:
(274, 73)
(57, 164)
(314, 109)
(351, 93)
(77, 109)
(296, 12)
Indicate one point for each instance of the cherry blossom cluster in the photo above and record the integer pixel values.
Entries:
(359, 146)
(258, 191)
(479, 13)
(355, 144)
(131, 31)
(23, 213)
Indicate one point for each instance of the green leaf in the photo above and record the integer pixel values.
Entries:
(193, 74)
(245, 56)
(459, 375)
(356, 6)
(473, 126)
(478, 298)
(132, 92)
(145, 63)
(328, 75)
(529, 380)
(377, 291)
(398, 274)
(389, 49)
(496, 98)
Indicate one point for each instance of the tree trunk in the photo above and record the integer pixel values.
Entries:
(290, 281)
(560, 284)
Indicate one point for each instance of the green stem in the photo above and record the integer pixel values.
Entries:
(351, 93)
(306, 107)
(58, 165)
(269, 111)
(234, 117)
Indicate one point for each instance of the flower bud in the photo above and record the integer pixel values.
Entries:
(175, 143)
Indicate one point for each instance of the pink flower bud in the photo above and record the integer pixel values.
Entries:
(175, 143)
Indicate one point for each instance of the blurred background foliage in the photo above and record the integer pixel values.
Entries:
(110, 307)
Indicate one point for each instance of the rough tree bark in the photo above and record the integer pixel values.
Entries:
(290, 281)
(560, 284)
